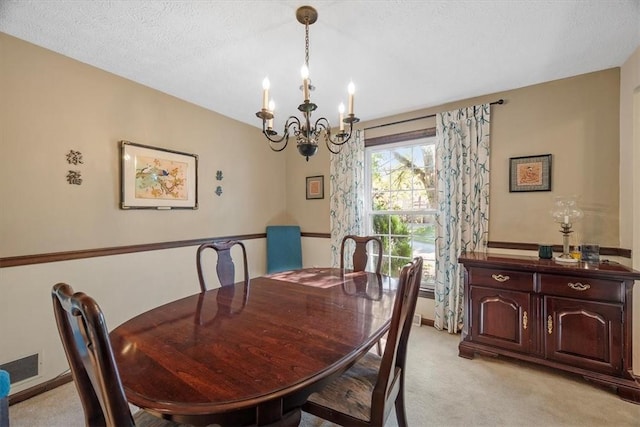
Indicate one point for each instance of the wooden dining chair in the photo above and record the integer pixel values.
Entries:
(85, 339)
(364, 394)
(360, 256)
(225, 267)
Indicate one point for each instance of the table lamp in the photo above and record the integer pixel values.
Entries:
(565, 212)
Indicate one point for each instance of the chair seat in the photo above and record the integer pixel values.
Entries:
(351, 392)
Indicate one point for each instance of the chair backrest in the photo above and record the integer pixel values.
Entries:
(360, 254)
(391, 375)
(225, 267)
(85, 339)
(284, 248)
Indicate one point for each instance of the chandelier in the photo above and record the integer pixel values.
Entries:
(307, 134)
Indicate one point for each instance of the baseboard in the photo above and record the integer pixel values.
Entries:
(426, 322)
(40, 388)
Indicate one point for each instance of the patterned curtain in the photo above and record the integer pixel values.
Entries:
(462, 217)
(347, 194)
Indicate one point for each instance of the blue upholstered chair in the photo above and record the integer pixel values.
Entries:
(5, 386)
(284, 248)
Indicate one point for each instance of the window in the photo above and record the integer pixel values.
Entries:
(400, 203)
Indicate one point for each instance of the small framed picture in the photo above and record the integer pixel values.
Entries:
(157, 178)
(530, 173)
(315, 187)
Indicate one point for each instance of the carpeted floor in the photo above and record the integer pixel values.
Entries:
(442, 390)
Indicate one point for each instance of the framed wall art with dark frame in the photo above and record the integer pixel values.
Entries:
(530, 173)
(157, 178)
(315, 187)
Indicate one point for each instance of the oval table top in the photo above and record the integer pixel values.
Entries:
(250, 354)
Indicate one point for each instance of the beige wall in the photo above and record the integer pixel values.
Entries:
(629, 84)
(630, 176)
(311, 215)
(50, 104)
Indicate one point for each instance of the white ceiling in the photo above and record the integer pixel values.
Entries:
(402, 55)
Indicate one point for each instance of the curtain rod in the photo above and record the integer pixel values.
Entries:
(499, 102)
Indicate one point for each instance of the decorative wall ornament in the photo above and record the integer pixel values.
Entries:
(74, 177)
(219, 190)
(74, 157)
(219, 175)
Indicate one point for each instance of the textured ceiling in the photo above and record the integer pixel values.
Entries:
(401, 55)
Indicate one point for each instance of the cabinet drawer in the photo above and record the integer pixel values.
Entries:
(503, 279)
(582, 287)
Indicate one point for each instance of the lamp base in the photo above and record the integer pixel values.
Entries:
(565, 259)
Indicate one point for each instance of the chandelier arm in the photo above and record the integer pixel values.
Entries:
(285, 137)
(342, 137)
(286, 141)
(323, 124)
(327, 142)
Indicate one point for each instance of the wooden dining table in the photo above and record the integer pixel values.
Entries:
(251, 354)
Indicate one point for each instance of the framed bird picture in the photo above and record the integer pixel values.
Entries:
(157, 178)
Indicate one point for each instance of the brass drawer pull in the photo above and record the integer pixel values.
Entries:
(550, 324)
(579, 286)
(525, 320)
(500, 277)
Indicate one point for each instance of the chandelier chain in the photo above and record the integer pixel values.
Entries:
(306, 42)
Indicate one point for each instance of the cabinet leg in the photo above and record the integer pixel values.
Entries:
(465, 352)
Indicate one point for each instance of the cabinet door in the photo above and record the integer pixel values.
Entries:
(584, 333)
(501, 318)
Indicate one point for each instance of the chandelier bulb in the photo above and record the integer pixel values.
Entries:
(265, 93)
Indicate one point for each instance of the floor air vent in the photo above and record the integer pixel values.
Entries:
(22, 369)
(417, 320)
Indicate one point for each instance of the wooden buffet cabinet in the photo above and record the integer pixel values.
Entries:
(575, 317)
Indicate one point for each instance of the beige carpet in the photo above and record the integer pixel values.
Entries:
(442, 390)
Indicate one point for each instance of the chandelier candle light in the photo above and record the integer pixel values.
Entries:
(307, 135)
(565, 213)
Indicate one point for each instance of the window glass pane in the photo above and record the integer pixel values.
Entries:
(401, 178)
(380, 201)
(401, 200)
(381, 180)
(419, 156)
(380, 224)
(401, 157)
